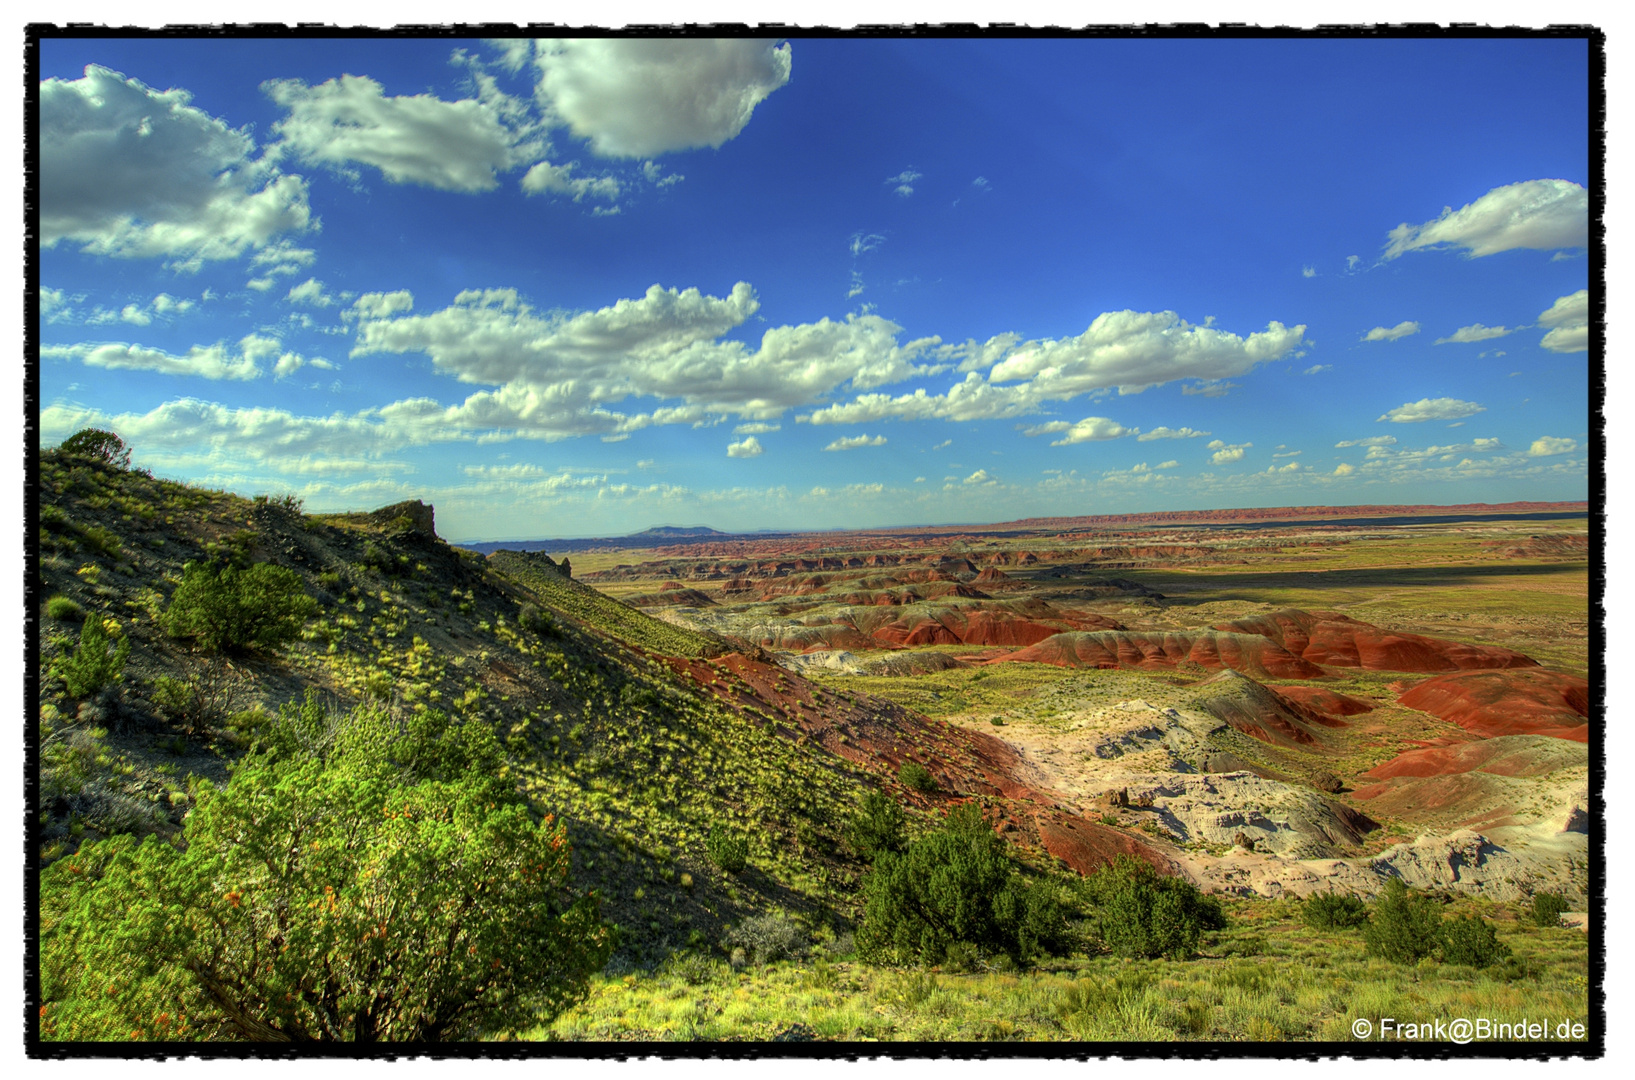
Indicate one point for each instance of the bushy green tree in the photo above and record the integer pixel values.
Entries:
(1333, 911)
(1404, 926)
(957, 884)
(1547, 909)
(877, 827)
(226, 609)
(1472, 941)
(1142, 913)
(97, 662)
(98, 445)
(376, 884)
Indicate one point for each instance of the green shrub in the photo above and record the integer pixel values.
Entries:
(63, 609)
(98, 445)
(957, 884)
(1142, 913)
(335, 898)
(96, 663)
(917, 777)
(535, 620)
(1333, 911)
(1405, 926)
(225, 609)
(1472, 941)
(726, 850)
(877, 827)
(200, 699)
(1547, 909)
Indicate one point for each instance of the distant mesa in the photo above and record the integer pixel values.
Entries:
(1495, 703)
(679, 532)
(1332, 639)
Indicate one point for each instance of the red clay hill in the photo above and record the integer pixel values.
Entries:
(1335, 640)
(1495, 703)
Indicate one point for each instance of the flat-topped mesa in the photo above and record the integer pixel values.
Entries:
(419, 515)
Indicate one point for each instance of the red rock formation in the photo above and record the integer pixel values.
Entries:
(1157, 651)
(1493, 703)
(1326, 705)
(1328, 637)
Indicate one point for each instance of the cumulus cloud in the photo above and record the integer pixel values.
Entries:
(980, 477)
(132, 172)
(1473, 332)
(852, 442)
(745, 448)
(374, 305)
(640, 97)
(1090, 429)
(557, 374)
(1170, 433)
(863, 242)
(1308, 271)
(1569, 322)
(1317, 369)
(311, 291)
(1432, 409)
(1171, 464)
(1344, 469)
(1543, 215)
(199, 430)
(1134, 350)
(756, 427)
(1549, 446)
(1400, 330)
(1225, 454)
(1375, 440)
(545, 178)
(203, 361)
(448, 145)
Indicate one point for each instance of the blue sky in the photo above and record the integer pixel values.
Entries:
(581, 288)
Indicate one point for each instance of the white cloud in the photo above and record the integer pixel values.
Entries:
(854, 441)
(1169, 433)
(1171, 464)
(131, 172)
(1400, 330)
(280, 259)
(904, 182)
(1090, 429)
(204, 361)
(1569, 322)
(132, 314)
(311, 291)
(1317, 369)
(1289, 453)
(640, 97)
(756, 427)
(1293, 466)
(1375, 440)
(448, 145)
(1539, 214)
(862, 242)
(1134, 350)
(546, 178)
(980, 477)
(1474, 332)
(1308, 271)
(556, 375)
(1549, 446)
(374, 305)
(1432, 409)
(747, 448)
(1351, 261)
(1344, 469)
(198, 431)
(1224, 454)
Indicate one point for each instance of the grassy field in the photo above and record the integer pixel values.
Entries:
(1266, 978)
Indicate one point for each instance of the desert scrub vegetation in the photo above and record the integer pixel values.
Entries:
(362, 877)
(1266, 977)
(1140, 913)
